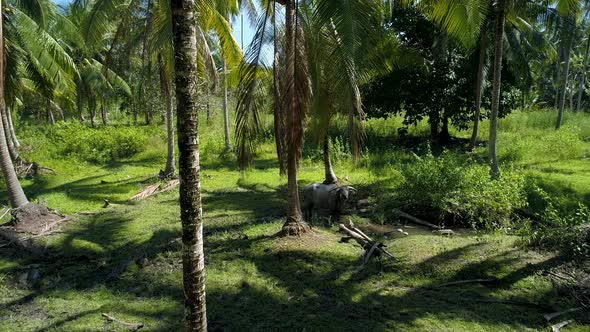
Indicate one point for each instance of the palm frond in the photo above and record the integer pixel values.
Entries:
(45, 53)
(249, 92)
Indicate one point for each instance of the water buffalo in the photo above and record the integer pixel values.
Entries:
(331, 198)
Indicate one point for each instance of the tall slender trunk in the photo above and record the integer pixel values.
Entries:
(144, 54)
(208, 103)
(104, 114)
(483, 45)
(278, 114)
(557, 75)
(329, 175)
(167, 96)
(294, 224)
(50, 117)
(492, 154)
(193, 257)
(134, 111)
(11, 128)
(582, 81)
(444, 137)
(92, 109)
(16, 195)
(224, 102)
(433, 128)
(79, 101)
(566, 69)
(148, 116)
(9, 143)
(62, 114)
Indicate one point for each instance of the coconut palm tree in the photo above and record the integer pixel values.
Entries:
(156, 45)
(16, 195)
(36, 60)
(320, 74)
(211, 21)
(193, 259)
(569, 12)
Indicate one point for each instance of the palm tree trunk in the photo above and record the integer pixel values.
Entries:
(208, 103)
(50, 117)
(329, 175)
(294, 224)
(12, 130)
(79, 102)
(483, 45)
(582, 80)
(166, 94)
(193, 257)
(492, 154)
(9, 143)
(92, 109)
(563, 87)
(15, 192)
(134, 110)
(224, 102)
(278, 114)
(557, 75)
(105, 119)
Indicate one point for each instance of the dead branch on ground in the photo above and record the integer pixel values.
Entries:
(415, 220)
(371, 247)
(128, 326)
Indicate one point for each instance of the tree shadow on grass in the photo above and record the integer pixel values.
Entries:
(321, 293)
(88, 189)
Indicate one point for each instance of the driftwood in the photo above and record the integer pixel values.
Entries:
(557, 327)
(551, 316)
(128, 326)
(372, 248)
(470, 281)
(415, 220)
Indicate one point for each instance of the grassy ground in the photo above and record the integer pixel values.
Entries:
(124, 260)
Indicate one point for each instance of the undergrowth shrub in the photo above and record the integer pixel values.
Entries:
(339, 150)
(460, 192)
(98, 145)
(542, 145)
(568, 232)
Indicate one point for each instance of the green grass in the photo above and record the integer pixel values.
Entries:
(257, 281)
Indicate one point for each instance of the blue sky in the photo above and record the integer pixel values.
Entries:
(248, 30)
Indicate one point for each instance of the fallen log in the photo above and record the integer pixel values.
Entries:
(549, 317)
(371, 247)
(154, 189)
(128, 326)
(470, 281)
(557, 327)
(414, 219)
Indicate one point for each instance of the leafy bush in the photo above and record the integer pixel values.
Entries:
(339, 150)
(98, 145)
(460, 192)
(568, 232)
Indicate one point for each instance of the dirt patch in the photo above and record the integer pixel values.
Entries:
(29, 222)
(35, 219)
(311, 240)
